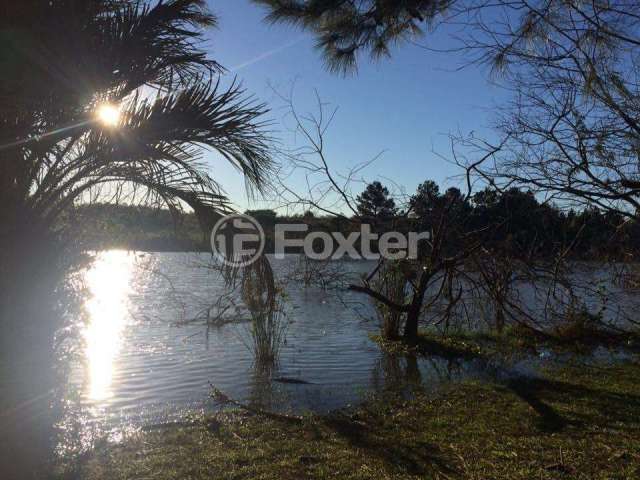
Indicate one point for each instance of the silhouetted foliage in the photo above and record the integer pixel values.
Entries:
(343, 28)
(571, 129)
(513, 222)
(424, 200)
(62, 60)
(375, 203)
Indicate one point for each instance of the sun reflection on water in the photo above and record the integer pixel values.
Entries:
(109, 283)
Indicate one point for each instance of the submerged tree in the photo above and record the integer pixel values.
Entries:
(402, 290)
(407, 290)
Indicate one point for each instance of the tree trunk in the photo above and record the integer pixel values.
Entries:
(411, 326)
(413, 316)
(499, 318)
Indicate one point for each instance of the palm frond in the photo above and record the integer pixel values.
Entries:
(202, 114)
(156, 45)
(63, 58)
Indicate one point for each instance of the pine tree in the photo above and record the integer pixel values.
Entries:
(375, 204)
(344, 27)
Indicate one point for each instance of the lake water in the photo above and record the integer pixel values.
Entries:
(141, 354)
(145, 359)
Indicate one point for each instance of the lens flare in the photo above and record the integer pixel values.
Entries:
(108, 115)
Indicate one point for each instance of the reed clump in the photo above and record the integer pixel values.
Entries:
(265, 302)
(268, 329)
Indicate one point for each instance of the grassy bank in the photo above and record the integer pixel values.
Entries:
(575, 422)
(514, 340)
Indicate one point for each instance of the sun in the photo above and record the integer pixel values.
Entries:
(108, 115)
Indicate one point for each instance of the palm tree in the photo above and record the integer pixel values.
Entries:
(114, 95)
(64, 61)
(100, 96)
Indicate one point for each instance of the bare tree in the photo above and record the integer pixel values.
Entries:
(439, 258)
(570, 130)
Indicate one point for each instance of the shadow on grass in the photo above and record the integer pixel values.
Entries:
(557, 404)
(584, 401)
(582, 406)
(525, 388)
(427, 346)
(549, 420)
(405, 454)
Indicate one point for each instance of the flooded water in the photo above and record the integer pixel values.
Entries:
(141, 354)
(147, 358)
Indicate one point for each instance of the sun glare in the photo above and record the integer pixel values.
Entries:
(109, 115)
(108, 282)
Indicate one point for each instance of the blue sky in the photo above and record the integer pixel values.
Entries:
(404, 106)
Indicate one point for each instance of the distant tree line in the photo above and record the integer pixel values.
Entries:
(516, 220)
(513, 220)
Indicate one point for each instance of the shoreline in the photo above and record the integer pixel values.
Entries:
(574, 421)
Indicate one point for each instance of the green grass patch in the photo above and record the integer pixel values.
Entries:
(575, 422)
(513, 340)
